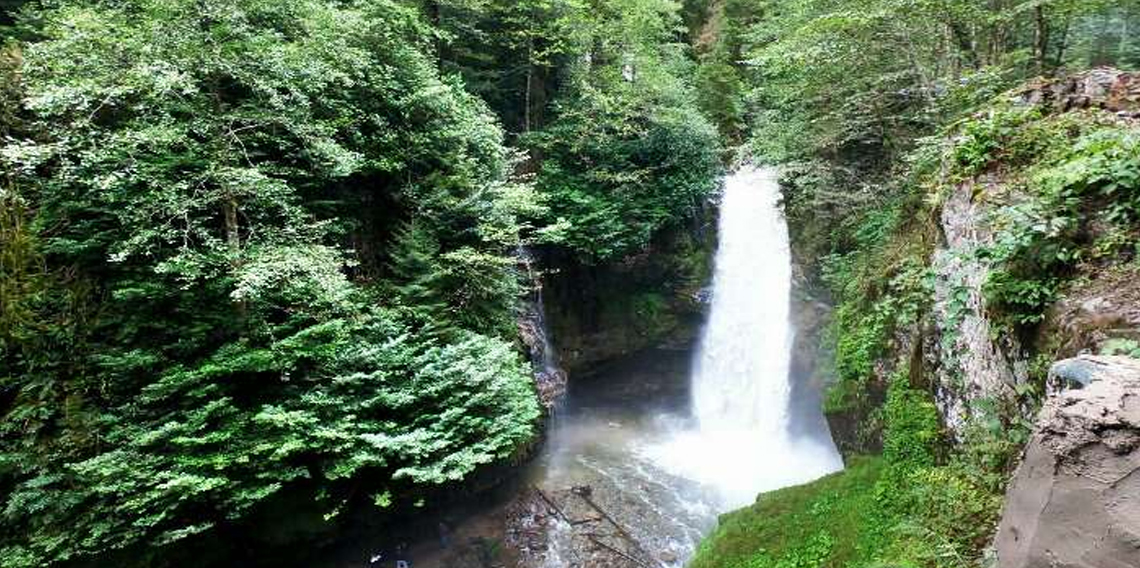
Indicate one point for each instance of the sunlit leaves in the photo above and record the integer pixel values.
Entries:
(212, 189)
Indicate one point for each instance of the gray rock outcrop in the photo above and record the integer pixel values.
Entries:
(972, 364)
(1075, 499)
(1103, 88)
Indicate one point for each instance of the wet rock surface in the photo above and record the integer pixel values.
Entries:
(1075, 499)
(582, 527)
(973, 360)
(550, 379)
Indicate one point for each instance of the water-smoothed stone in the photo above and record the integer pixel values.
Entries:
(1083, 371)
(1075, 499)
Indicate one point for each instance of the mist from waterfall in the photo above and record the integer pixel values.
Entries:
(741, 444)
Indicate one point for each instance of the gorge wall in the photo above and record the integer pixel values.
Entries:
(966, 342)
(1015, 250)
(599, 311)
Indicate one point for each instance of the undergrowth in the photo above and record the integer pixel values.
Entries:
(912, 506)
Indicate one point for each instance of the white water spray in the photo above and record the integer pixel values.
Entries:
(741, 385)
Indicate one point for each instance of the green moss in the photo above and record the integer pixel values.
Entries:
(648, 314)
(883, 285)
(820, 524)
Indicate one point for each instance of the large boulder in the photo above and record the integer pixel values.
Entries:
(1075, 499)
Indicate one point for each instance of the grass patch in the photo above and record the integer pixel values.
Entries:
(822, 524)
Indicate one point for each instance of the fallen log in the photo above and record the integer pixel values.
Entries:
(585, 521)
(594, 539)
(585, 495)
(550, 503)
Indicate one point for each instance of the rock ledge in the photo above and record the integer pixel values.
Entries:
(1075, 499)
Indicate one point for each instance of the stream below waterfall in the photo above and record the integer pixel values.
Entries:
(644, 453)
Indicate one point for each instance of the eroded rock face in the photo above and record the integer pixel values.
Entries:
(1075, 500)
(971, 364)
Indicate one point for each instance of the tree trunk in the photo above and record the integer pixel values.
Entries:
(1063, 43)
(529, 82)
(997, 39)
(435, 16)
(1040, 38)
(233, 238)
(965, 43)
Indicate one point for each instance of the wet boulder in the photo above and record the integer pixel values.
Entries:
(1075, 499)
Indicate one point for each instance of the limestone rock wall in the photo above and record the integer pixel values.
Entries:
(970, 361)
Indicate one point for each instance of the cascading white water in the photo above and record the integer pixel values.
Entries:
(660, 471)
(741, 386)
(740, 377)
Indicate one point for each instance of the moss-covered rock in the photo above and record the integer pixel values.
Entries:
(599, 312)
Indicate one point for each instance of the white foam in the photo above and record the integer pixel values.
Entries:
(741, 444)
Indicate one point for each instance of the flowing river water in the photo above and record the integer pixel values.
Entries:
(644, 454)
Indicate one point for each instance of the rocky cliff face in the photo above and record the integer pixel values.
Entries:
(974, 359)
(1075, 499)
(1073, 502)
(600, 312)
(971, 360)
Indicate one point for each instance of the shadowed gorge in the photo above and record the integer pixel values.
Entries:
(569, 283)
(642, 455)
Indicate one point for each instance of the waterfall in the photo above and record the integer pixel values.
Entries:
(740, 376)
(741, 390)
(550, 379)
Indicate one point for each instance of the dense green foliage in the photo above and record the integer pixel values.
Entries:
(1079, 169)
(257, 251)
(809, 526)
(203, 335)
(626, 153)
(598, 94)
(659, 157)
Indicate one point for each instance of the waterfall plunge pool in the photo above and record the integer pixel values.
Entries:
(646, 452)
